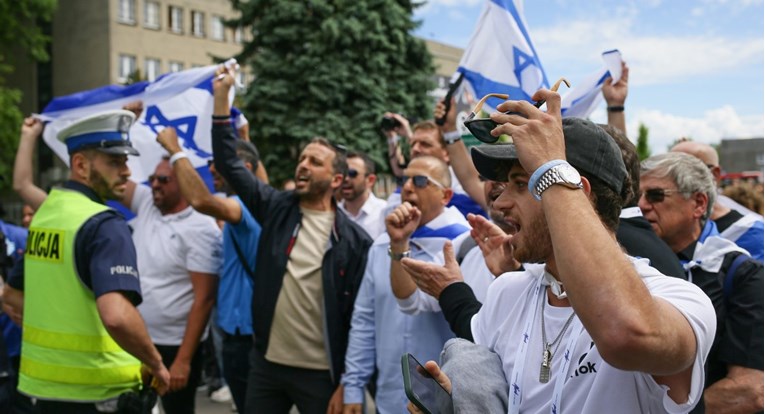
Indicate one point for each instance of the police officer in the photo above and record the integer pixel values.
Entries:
(83, 339)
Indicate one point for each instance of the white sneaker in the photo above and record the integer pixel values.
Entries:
(221, 395)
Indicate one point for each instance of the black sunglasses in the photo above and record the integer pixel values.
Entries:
(481, 128)
(657, 195)
(163, 179)
(420, 181)
(352, 173)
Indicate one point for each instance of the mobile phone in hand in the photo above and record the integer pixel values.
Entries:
(422, 389)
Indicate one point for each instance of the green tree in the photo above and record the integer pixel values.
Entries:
(18, 31)
(330, 68)
(643, 150)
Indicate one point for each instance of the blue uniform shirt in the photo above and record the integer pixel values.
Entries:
(102, 243)
(235, 287)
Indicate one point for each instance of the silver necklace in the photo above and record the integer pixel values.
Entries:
(547, 354)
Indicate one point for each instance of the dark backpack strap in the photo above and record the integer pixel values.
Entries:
(728, 283)
(465, 247)
(245, 265)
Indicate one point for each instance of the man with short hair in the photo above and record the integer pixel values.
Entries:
(359, 202)
(310, 261)
(380, 333)
(744, 229)
(83, 339)
(180, 253)
(591, 328)
(241, 234)
(678, 194)
(427, 138)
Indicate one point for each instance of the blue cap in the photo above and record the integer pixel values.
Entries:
(106, 132)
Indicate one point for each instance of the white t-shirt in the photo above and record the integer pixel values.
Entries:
(591, 385)
(168, 248)
(370, 216)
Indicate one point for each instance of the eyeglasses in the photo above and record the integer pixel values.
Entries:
(420, 181)
(163, 179)
(657, 195)
(481, 128)
(352, 173)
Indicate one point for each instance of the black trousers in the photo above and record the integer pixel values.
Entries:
(236, 366)
(275, 388)
(183, 400)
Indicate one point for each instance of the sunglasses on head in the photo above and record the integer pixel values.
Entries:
(163, 179)
(420, 181)
(481, 128)
(657, 195)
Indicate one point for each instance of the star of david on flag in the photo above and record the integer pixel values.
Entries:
(182, 100)
(501, 58)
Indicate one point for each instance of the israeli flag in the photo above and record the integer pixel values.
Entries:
(501, 58)
(183, 100)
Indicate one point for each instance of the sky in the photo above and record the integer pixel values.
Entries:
(696, 66)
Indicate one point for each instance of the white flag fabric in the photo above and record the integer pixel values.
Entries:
(182, 100)
(501, 58)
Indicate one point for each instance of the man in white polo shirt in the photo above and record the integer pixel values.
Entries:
(179, 251)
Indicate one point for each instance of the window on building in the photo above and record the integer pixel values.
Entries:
(151, 69)
(126, 11)
(151, 14)
(197, 23)
(218, 29)
(175, 17)
(126, 67)
(238, 35)
(176, 66)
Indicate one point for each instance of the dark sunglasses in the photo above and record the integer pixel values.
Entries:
(352, 173)
(163, 179)
(420, 181)
(657, 195)
(481, 128)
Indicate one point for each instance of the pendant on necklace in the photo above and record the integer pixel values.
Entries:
(544, 370)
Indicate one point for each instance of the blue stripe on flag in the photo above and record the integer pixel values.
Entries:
(509, 5)
(95, 96)
(483, 86)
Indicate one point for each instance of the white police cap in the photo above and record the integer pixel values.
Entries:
(105, 131)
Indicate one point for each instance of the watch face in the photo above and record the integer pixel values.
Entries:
(569, 174)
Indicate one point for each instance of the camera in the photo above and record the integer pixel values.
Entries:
(389, 123)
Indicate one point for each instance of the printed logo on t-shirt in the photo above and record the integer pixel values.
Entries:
(585, 367)
(45, 244)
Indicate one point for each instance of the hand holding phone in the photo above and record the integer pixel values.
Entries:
(422, 389)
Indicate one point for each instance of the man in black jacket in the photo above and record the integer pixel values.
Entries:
(310, 262)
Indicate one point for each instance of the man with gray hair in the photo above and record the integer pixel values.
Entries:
(678, 194)
(733, 221)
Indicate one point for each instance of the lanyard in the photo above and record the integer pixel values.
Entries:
(516, 385)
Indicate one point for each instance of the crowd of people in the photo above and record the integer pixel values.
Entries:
(556, 272)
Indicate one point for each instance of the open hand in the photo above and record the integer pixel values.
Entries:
(495, 245)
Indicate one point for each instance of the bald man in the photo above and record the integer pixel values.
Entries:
(746, 230)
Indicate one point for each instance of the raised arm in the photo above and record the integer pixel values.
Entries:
(459, 158)
(615, 95)
(193, 187)
(249, 189)
(23, 182)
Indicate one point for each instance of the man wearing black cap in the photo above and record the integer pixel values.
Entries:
(590, 329)
(83, 339)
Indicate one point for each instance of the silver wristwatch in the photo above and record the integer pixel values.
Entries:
(398, 256)
(563, 174)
